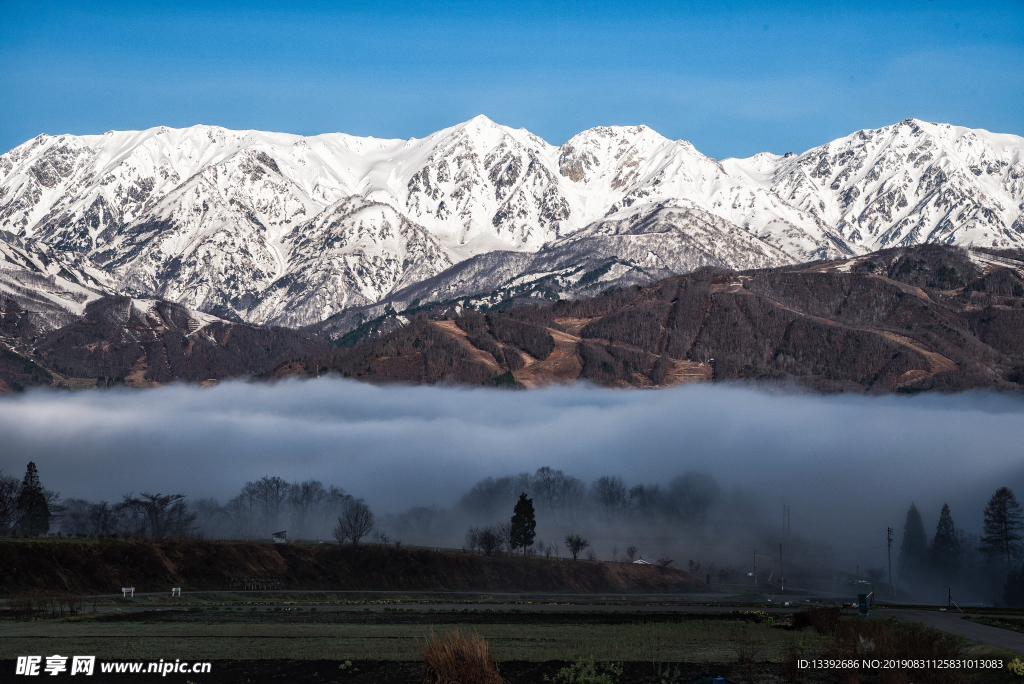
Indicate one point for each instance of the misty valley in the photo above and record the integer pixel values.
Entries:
(387, 533)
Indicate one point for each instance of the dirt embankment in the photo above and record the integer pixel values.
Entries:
(104, 566)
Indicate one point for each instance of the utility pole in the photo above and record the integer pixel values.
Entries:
(892, 592)
(755, 568)
(782, 575)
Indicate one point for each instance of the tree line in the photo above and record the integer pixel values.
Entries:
(955, 559)
(270, 504)
(564, 498)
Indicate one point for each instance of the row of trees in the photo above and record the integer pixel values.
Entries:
(307, 509)
(953, 557)
(28, 509)
(262, 507)
(562, 497)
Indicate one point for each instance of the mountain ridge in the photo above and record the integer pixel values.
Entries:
(281, 229)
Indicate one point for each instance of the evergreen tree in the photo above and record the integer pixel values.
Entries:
(945, 547)
(914, 548)
(1002, 527)
(524, 524)
(33, 510)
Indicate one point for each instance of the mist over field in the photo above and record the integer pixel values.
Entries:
(848, 466)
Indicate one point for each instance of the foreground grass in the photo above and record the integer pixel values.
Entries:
(698, 641)
(1012, 624)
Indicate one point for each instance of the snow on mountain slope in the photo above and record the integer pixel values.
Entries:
(634, 246)
(353, 253)
(52, 287)
(905, 184)
(625, 167)
(285, 229)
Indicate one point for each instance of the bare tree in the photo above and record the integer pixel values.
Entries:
(615, 554)
(75, 520)
(103, 519)
(573, 497)
(489, 541)
(473, 538)
(159, 515)
(242, 512)
(334, 505)
(269, 494)
(305, 500)
(212, 519)
(692, 495)
(9, 488)
(725, 574)
(631, 552)
(610, 495)
(665, 561)
(504, 532)
(644, 500)
(575, 544)
(354, 523)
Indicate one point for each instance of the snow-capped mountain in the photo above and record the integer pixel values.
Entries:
(910, 183)
(289, 230)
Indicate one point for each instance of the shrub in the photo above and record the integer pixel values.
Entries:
(454, 659)
(586, 671)
(901, 641)
(824, 620)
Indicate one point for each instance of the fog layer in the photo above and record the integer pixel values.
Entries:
(848, 466)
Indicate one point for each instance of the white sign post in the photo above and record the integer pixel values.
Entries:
(175, 591)
(127, 590)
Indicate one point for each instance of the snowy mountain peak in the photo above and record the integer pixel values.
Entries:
(275, 227)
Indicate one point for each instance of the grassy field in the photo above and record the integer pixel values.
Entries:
(260, 639)
(703, 641)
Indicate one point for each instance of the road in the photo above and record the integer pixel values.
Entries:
(953, 623)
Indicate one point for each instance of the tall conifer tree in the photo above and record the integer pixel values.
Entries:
(33, 510)
(914, 548)
(1003, 522)
(945, 547)
(524, 524)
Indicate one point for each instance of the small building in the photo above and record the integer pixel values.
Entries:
(280, 537)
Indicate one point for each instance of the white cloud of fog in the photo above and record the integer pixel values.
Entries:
(847, 465)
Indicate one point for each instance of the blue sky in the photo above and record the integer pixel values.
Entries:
(734, 78)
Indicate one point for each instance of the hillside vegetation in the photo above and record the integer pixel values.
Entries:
(905, 320)
(104, 566)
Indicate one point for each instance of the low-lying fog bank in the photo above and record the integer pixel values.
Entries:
(716, 463)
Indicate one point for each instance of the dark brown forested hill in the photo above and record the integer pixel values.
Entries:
(910, 319)
(120, 341)
(921, 318)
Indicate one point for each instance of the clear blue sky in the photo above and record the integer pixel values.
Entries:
(734, 78)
